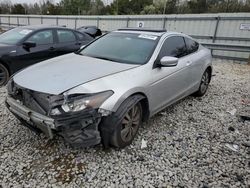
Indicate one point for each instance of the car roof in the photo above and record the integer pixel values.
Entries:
(37, 27)
(149, 31)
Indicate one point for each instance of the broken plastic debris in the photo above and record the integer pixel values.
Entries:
(232, 112)
(231, 128)
(246, 144)
(143, 144)
(245, 117)
(245, 101)
(233, 147)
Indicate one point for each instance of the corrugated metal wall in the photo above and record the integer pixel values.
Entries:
(221, 28)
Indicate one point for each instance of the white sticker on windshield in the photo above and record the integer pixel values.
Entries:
(25, 31)
(151, 37)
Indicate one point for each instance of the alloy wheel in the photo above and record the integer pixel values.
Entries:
(204, 82)
(3, 75)
(131, 122)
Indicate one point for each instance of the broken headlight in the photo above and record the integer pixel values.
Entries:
(81, 102)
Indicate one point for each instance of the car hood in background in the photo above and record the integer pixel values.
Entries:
(6, 48)
(60, 74)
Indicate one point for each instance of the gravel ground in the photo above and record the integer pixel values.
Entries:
(198, 142)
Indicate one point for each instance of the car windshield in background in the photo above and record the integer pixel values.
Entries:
(123, 48)
(13, 36)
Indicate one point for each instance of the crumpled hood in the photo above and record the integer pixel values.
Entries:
(62, 73)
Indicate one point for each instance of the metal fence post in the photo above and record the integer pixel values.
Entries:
(9, 20)
(215, 31)
(128, 18)
(164, 22)
(98, 20)
(17, 18)
(57, 21)
(216, 28)
(41, 20)
(28, 20)
(75, 22)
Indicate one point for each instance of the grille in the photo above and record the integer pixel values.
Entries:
(36, 101)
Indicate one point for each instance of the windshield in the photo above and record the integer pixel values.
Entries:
(13, 36)
(123, 48)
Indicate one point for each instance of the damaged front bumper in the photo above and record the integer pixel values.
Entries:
(78, 129)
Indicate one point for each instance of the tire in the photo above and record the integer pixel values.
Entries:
(205, 80)
(4, 75)
(121, 127)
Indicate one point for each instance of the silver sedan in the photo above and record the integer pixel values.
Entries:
(105, 91)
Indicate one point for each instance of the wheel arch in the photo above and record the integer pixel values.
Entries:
(144, 102)
(145, 105)
(5, 65)
(106, 126)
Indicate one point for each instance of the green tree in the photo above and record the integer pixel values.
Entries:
(5, 7)
(149, 9)
(17, 9)
(170, 7)
(97, 7)
(75, 7)
(198, 6)
(129, 6)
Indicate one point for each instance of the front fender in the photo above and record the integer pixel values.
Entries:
(115, 101)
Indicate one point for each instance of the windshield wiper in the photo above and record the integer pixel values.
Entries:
(104, 58)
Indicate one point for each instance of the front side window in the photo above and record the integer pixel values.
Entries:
(174, 47)
(123, 47)
(42, 37)
(66, 36)
(13, 36)
(192, 46)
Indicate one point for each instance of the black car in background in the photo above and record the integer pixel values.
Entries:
(91, 30)
(24, 46)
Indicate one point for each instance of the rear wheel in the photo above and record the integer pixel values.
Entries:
(4, 75)
(205, 80)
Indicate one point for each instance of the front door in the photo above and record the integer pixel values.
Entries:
(170, 83)
(43, 50)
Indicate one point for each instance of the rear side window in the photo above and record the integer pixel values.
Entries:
(174, 47)
(66, 36)
(82, 36)
(192, 46)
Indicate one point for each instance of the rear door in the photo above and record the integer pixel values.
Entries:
(83, 38)
(44, 49)
(170, 83)
(66, 41)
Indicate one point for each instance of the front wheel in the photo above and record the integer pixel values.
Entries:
(4, 75)
(205, 80)
(124, 124)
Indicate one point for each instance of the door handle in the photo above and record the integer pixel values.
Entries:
(189, 63)
(78, 43)
(51, 48)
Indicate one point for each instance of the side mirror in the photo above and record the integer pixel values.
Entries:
(168, 61)
(28, 44)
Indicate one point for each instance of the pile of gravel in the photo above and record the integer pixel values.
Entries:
(198, 142)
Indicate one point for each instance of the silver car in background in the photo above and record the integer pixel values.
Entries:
(106, 90)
